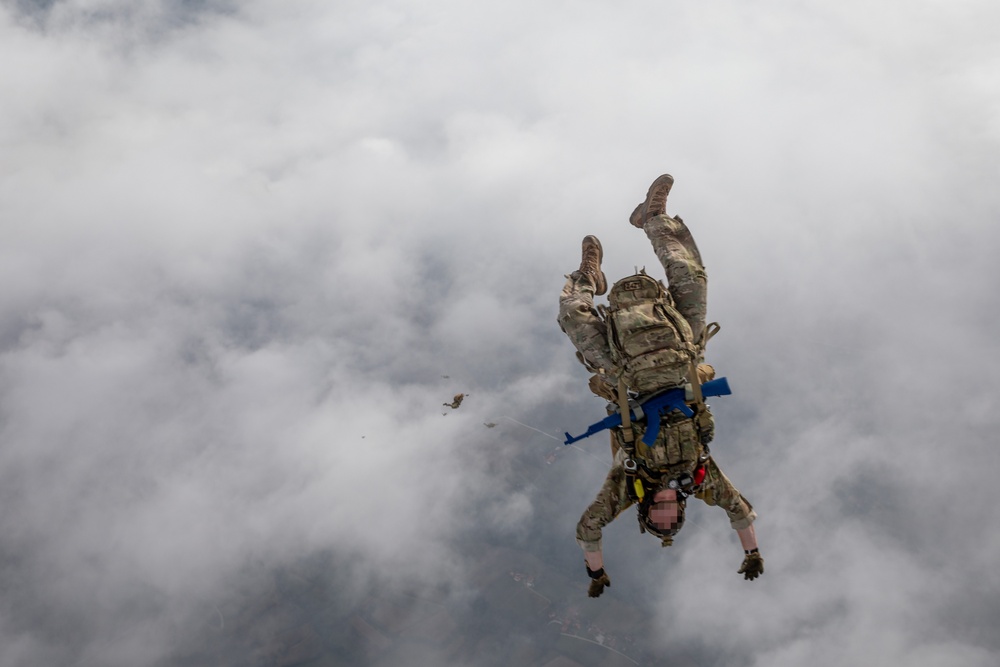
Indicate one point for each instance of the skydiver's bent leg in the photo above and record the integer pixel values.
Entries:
(681, 260)
(579, 321)
(718, 490)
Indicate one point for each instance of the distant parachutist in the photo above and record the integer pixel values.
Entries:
(455, 402)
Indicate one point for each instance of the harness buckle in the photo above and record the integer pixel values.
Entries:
(685, 481)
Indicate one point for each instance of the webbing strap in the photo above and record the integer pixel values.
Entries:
(699, 400)
(710, 330)
(695, 383)
(623, 409)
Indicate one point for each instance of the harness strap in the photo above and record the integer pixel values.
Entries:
(633, 483)
(695, 383)
(623, 409)
(699, 400)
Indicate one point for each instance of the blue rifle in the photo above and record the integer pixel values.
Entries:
(653, 408)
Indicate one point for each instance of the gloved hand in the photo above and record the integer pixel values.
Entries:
(598, 580)
(600, 386)
(753, 566)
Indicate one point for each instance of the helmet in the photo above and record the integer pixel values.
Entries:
(646, 524)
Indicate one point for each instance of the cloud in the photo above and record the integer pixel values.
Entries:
(242, 247)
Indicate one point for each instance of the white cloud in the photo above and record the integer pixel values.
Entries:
(242, 245)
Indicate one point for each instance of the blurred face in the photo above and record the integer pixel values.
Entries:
(663, 512)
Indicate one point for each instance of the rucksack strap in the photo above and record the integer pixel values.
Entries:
(710, 330)
(625, 412)
(699, 400)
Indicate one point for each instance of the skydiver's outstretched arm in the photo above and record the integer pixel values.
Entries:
(599, 579)
(611, 500)
(748, 538)
(753, 562)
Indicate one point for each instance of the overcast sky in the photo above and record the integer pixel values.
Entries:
(243, 243)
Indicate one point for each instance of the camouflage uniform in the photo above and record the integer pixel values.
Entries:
(677, 448)
(614, 498)
(686, 278)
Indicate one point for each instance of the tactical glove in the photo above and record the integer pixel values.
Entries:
(753, 566)
(600, 386)
(706, 372)
(598, 580)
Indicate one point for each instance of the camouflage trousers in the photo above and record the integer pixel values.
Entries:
(586, 330)
(613, 499)
(687, 283)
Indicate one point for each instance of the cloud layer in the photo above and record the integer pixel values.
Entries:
(248, 251)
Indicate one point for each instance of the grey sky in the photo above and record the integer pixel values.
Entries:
(241, 245)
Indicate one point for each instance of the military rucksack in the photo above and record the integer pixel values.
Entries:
(650, 340)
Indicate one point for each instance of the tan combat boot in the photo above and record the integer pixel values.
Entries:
(656, 201)
(590, 264)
